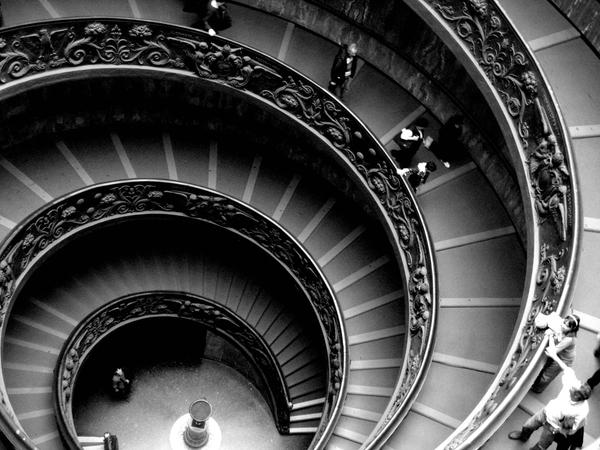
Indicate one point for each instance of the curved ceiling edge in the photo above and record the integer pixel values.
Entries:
(123, 43)
(482, 37)
(52, 225)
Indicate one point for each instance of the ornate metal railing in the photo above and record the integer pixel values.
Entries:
(496, 56)
(132, 308)
(42, 51)
(51, 226)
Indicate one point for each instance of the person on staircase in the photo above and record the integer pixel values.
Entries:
(417, 176)
(343, 70)
(564, 335)
(120, 383)
(409, 141)
(570, 403)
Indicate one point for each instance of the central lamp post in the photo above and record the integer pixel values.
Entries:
(196, 429)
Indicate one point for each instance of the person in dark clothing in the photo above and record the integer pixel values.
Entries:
(418, 175)
(120, 384)
(448, 146)
(213, 15)
(343, 70)
(409, 141)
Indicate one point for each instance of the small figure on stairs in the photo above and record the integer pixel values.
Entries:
(120, 383)
(417, 176)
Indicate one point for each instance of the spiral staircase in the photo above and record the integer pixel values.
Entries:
(481, 257)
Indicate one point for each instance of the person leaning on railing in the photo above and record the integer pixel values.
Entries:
(563, 333)
(563, 416)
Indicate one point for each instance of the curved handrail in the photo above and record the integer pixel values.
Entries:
(142, 305)
(52, 225)
(54, 47)
(482, 37)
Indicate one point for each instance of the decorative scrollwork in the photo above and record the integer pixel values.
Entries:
(482, 27)
(61, 219)
(511, 70)
(550, 182)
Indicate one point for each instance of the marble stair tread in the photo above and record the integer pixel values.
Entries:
(378, 101)
(311, 54)
(19, 354)
(474, 266)
(46, 166)
(491, 325)
(96, 153)
(458, 209)
(165, 11)
(389, 347)
(247, 21)
(340, 443)
(386, 316)
(453, 391)
(234, 166)
(411, 433)
(191, 155)
(145, 152)
(17, 201)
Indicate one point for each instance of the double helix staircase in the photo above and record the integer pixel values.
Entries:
(481, 262)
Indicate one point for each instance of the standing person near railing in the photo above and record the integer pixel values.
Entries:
(564, 335)
(564, 415)
(409, 141)
(343, 70)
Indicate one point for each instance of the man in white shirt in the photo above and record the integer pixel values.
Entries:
(571, 402)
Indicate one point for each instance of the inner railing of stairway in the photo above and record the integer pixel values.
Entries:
(51, 49)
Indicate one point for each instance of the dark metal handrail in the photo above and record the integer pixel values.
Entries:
(33, 53)
(497, 57)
